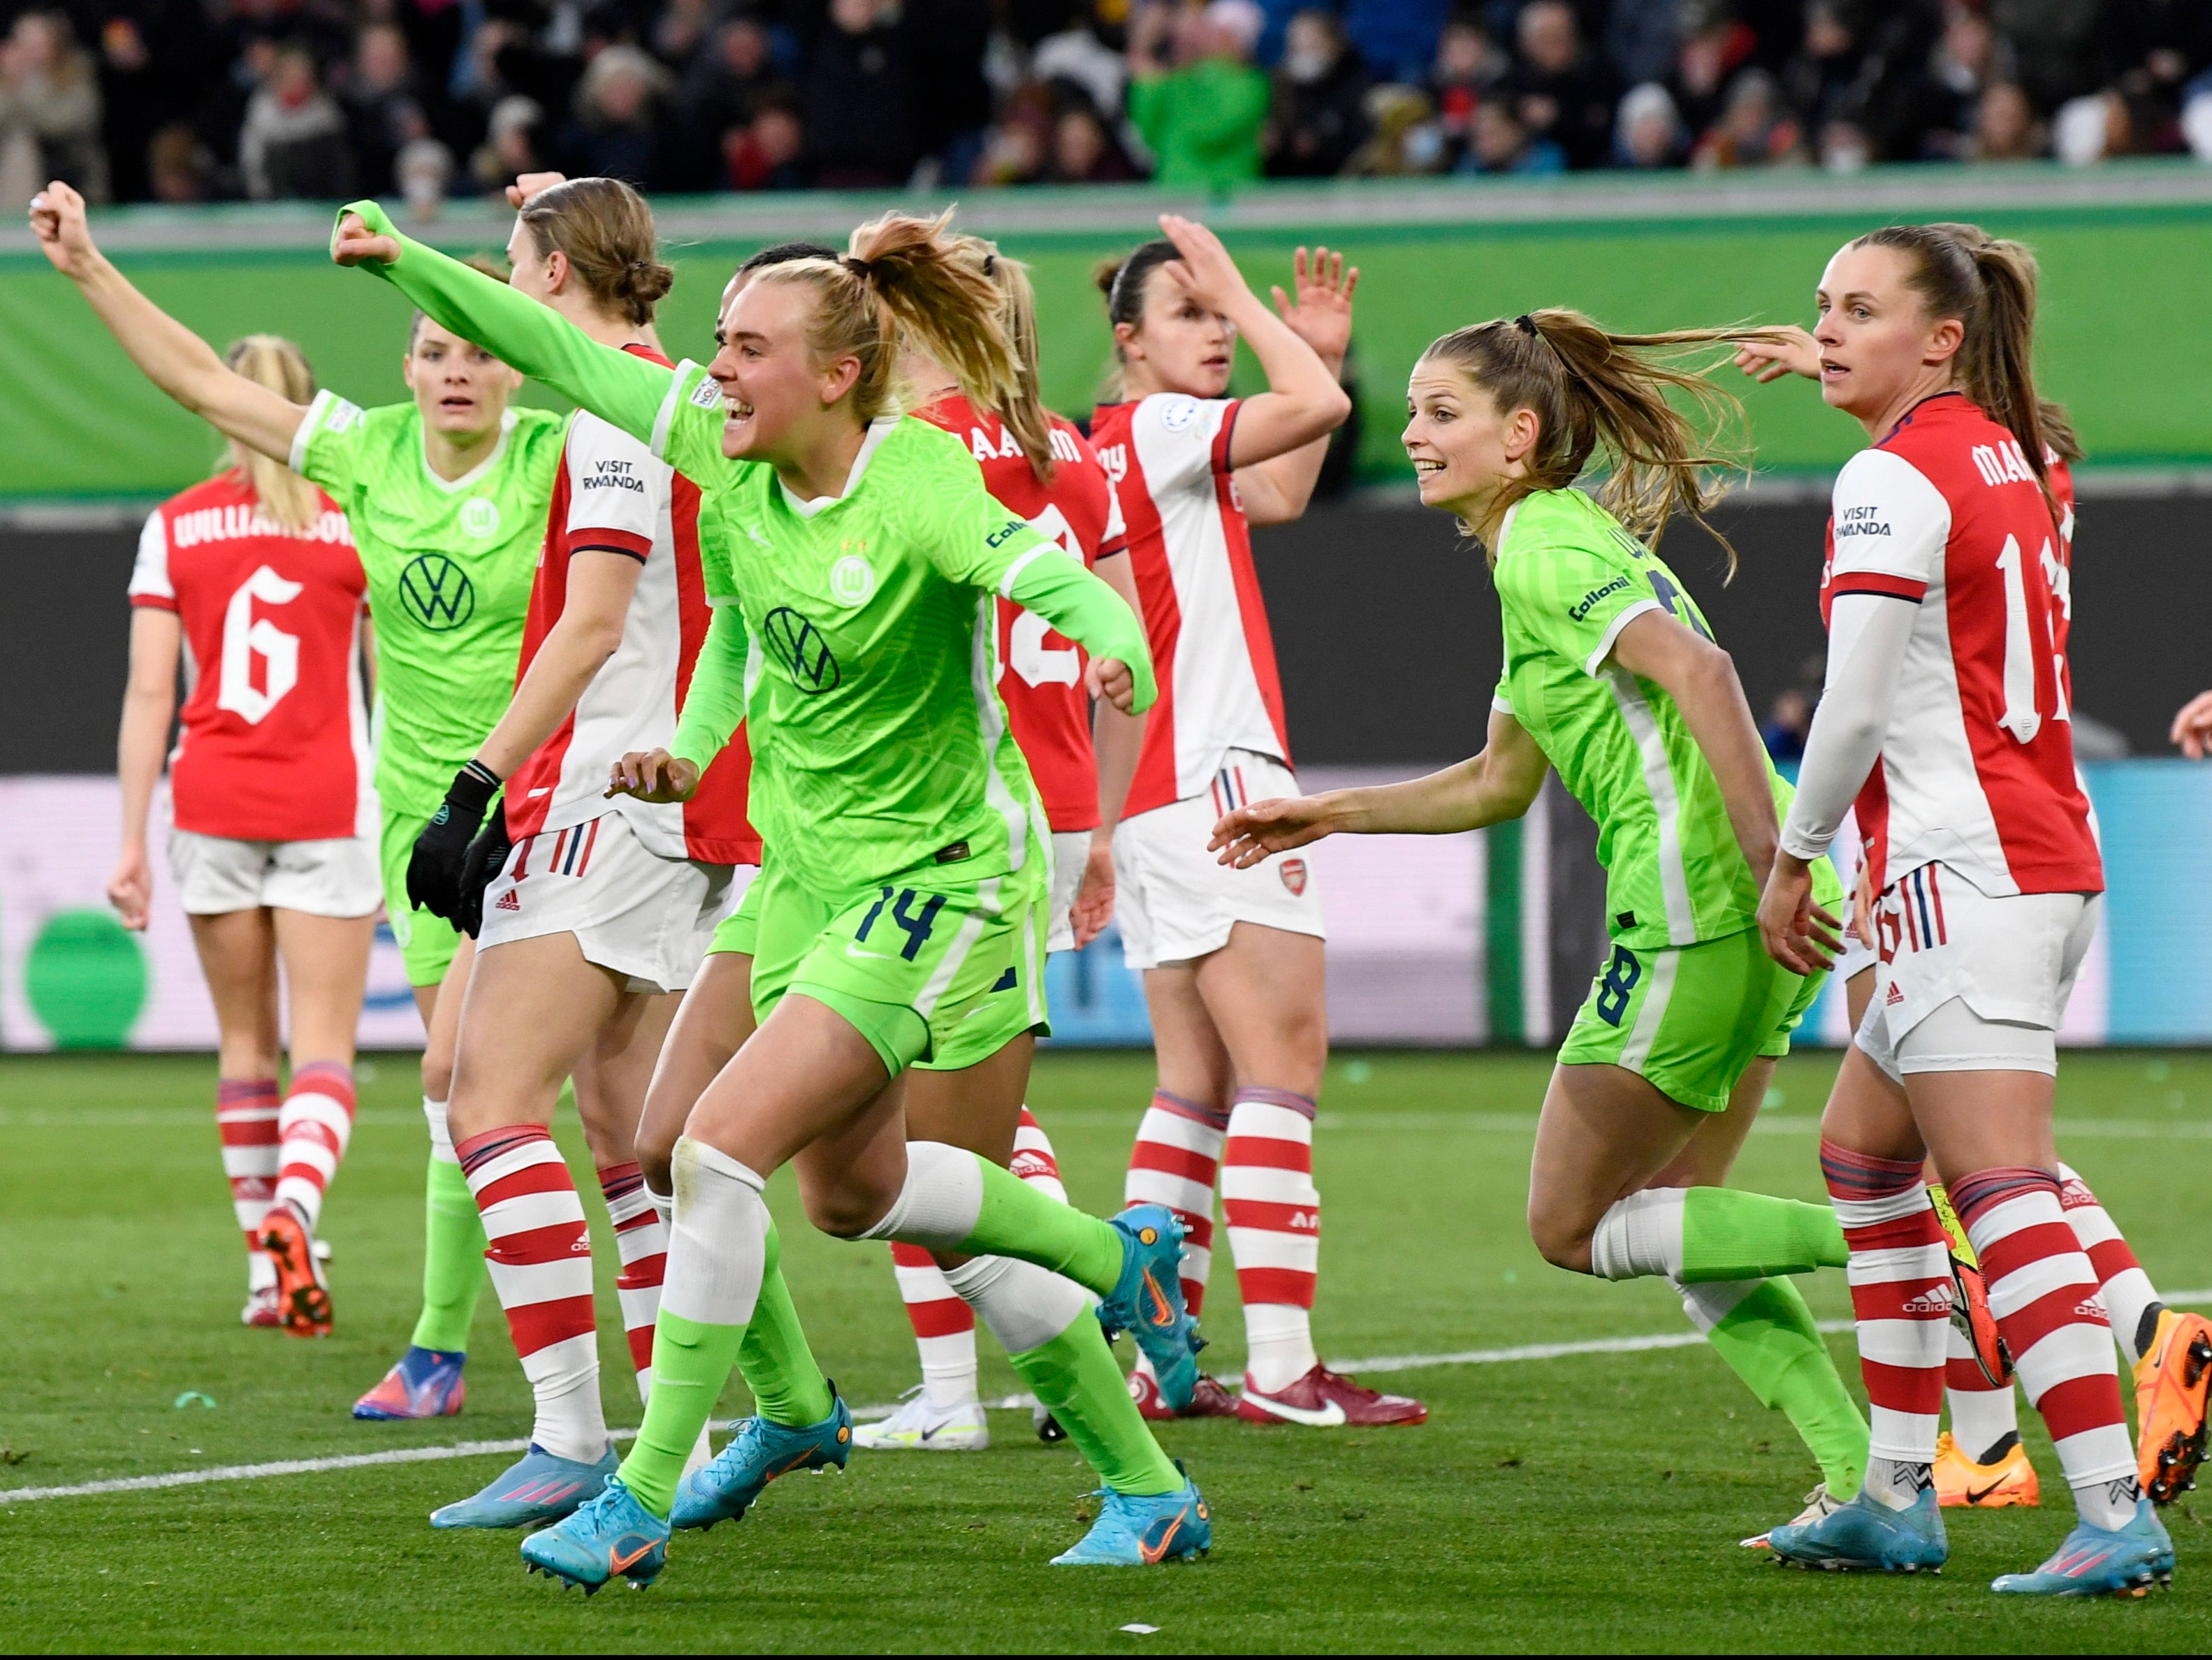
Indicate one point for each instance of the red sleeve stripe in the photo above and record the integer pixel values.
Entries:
(155, 601)
(1120, 544)
(1875, 582)
(1221, 439)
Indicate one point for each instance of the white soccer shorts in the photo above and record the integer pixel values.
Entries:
(632, 912)
(1175, 901)
(1971, 983)
(216, 875)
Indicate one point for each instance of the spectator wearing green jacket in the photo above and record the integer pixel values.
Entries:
(1195, 93)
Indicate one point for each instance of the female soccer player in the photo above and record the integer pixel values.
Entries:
(1980, 1460)
(272, 848)
(1945, 716)
(1040, 468)
(856, 553)
(1231, 959)
(590, 919)
(445, 495)
(1611, 675)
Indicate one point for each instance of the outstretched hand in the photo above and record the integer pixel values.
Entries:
(1786, 351)
(2193, 727)
(57, 221)
(356, 244)
(1802, 936)
(1319, 308)
(1250, 834)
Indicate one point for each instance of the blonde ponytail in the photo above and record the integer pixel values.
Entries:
(271, 361)
(1025, 413)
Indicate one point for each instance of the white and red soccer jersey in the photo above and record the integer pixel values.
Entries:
(611, 495)
(1192, 551)
(1977, 766)
(1040, 669)
(273, 743)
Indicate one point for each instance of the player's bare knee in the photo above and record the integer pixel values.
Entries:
(844, 1210)
(1562, 1239)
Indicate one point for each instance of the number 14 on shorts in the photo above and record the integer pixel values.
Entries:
(916, 924)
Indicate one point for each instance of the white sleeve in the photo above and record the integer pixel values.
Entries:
(619, 493)
(149, 576)
(1116, 538)
(1890, 525)
(1181, 440)
(1867, 635)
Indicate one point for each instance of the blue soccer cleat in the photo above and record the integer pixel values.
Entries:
(1865, 1536)
(1135, 1532)
(725, 1488)
(537, 1488)
(2101, 1561)
(1147, 1301)
(426, 1383)
(609, 1534)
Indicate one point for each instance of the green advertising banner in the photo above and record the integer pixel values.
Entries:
(2125, 341)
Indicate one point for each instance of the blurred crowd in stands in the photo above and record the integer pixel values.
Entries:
(190, 101)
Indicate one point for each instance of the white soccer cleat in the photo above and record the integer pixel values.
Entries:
(918, 1426)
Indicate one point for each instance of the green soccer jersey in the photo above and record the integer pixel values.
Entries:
(450, 567)
(1569, 580)
(864, 653)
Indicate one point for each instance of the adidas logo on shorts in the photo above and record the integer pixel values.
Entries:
(508, 901)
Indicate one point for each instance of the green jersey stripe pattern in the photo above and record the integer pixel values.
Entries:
(864, 660)
(450, 565)
(1570, 578)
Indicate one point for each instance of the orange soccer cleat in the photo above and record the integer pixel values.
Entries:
(302, 1299)
(1970, 1302)
(2007, 1480)
(2172, 1381)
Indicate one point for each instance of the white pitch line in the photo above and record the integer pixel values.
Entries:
(1386, 1363)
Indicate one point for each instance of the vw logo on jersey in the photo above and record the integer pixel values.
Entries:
(852, 580)
(437, 592)
(480, 516)
(798, 646)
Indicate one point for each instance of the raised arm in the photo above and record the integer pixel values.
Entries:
(1319, 312)
(1497, 785)
(640, 398)
(172, 356)
(1303, 402)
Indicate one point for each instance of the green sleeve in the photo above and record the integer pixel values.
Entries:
(714, 704)
(1148, 105)
(326, 449)
(671, 411)
(1057, 587)
(1572, 601)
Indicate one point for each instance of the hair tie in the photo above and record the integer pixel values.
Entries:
(860, 268)
(990, 264)
(1527, 324)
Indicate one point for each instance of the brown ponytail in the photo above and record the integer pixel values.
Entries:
(904, 281)
(1123, 281)
(271, 361)
(1988, 284)
(1589, 389)
(605, 229)
(1025, 415)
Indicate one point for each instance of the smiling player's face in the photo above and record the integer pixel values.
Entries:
(774, 390)
(461, 389)
(1461, 444)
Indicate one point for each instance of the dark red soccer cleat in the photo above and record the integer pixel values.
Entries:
(1324, 1399)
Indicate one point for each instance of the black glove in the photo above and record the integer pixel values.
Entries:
(434, 869)
(480, 868)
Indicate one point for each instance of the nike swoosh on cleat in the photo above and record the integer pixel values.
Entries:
(1153, 1553)
(621, 1564)
(1975, 1495)
(1165, 1314)
(1326, 1417)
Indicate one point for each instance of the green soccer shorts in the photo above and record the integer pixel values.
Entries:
(739, 932)
(1690, 1020)
(935, 974)
(426, 943)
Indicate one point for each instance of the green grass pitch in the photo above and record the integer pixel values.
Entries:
(1580, 1503)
